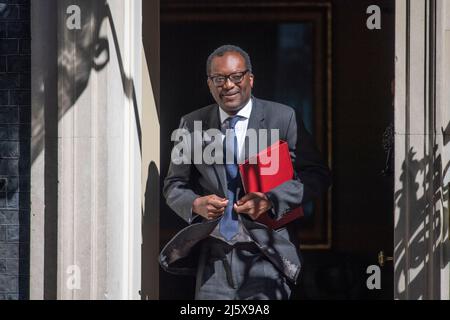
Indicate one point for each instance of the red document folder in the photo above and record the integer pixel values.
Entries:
(261, 173)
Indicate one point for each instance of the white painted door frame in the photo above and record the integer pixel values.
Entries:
(422, 114)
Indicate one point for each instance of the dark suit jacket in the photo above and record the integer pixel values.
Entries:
(185, 182)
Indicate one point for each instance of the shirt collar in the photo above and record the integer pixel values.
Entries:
(244, 112)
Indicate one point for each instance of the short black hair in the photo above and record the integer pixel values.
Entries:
(220, 52)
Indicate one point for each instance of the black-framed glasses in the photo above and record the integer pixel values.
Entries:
(235, 77)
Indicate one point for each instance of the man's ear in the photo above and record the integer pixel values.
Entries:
(252, 77)
(209, 82)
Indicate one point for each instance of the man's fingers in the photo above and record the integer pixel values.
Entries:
(213, 209)
(245, 208)
(216, 197)
(213, 215)
(248, 209)
(218, 202)
(246, 198)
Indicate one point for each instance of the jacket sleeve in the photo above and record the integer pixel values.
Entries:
(177, 187)
(311, 174)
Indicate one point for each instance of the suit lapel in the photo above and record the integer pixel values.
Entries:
(256, 122)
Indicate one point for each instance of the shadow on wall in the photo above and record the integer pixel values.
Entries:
(149, 219)
(419, 208)
(80, 53)
(92, 53)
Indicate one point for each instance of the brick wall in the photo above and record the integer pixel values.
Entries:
(15, 116)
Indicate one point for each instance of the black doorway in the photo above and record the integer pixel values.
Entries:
(361, 206)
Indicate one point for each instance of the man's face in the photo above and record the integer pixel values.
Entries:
(231, 97)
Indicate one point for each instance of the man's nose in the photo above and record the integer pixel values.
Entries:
(228, 84)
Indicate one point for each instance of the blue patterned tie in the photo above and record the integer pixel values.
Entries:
(228, 225)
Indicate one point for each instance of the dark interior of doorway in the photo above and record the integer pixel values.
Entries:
(362, 208)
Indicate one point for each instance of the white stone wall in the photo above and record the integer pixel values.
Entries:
(421, 115)
(99, 165)
(443, 141)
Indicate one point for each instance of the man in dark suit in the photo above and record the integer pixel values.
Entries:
(232, 255)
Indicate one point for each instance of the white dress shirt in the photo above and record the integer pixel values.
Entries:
(240, 128)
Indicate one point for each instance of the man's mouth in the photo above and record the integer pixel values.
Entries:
(230, 95)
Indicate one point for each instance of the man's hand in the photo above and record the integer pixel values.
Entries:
(253, 204)
(209, 207)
